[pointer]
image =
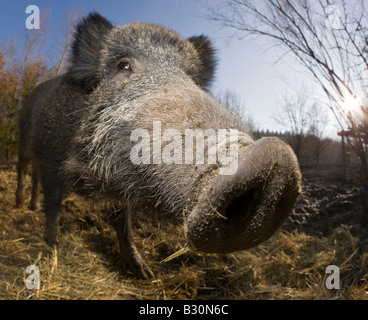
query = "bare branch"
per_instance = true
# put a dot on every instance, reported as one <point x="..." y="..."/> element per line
<point x="329" y="39"/>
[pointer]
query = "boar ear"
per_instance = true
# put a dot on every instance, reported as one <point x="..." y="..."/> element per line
<point x="86" y="47"/>
<point x="206" y="52"/>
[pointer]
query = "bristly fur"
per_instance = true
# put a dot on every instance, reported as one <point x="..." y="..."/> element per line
<point x="104" y="162"/>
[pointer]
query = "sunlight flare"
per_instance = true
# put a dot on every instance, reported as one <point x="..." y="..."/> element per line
<point x="351" y="104"/>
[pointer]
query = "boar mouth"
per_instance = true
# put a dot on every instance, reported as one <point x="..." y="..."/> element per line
<point x="240" y="211"/>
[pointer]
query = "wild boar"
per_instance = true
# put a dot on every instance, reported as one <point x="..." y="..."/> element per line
<point x="79" y="132"/>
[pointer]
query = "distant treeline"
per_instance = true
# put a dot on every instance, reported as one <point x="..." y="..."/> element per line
<point x="311" y="150"/>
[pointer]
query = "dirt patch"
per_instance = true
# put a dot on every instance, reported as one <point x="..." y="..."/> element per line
<point x="323" y="207"/>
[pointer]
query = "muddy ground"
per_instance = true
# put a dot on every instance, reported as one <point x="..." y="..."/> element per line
<point x="327" y="203"/>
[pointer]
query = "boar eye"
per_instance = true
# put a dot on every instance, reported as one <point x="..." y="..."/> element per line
<point x="124" y="66"/>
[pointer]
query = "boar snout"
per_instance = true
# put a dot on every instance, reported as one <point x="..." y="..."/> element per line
<point x="240" y="211"/>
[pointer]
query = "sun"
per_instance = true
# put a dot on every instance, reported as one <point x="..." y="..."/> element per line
<point x="351" y="104"/>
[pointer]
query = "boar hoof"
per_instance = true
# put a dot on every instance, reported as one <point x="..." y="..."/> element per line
<point x="19" y="200"/>
<point x="50" y="240"/>
<point x="34" y="206"/>
<point x="135" y="263"/>
<point x="51" y="235"/>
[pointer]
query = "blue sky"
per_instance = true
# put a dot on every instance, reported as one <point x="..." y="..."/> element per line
<point x="244" y="66"/>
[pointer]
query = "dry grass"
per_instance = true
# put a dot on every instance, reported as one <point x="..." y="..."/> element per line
<point x="84" y="266"/>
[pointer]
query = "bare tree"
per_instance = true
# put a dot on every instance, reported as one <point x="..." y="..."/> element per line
<point x="293" y="116"/>
<point x="235" y="103"/>
<point x="328" y="39"/>
<point x="33" y="40"/>
<point x="317" y="121"/>
<point x="71" y="19"/>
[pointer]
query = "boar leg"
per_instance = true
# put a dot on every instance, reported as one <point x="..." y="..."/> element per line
<point x="22" y="168"/>
<point x="36" y="187"/>
<point x="52" y="187"/>
<point x="129" y="255"/>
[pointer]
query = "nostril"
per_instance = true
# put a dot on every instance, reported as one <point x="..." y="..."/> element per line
<point x="244" y="206"/>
